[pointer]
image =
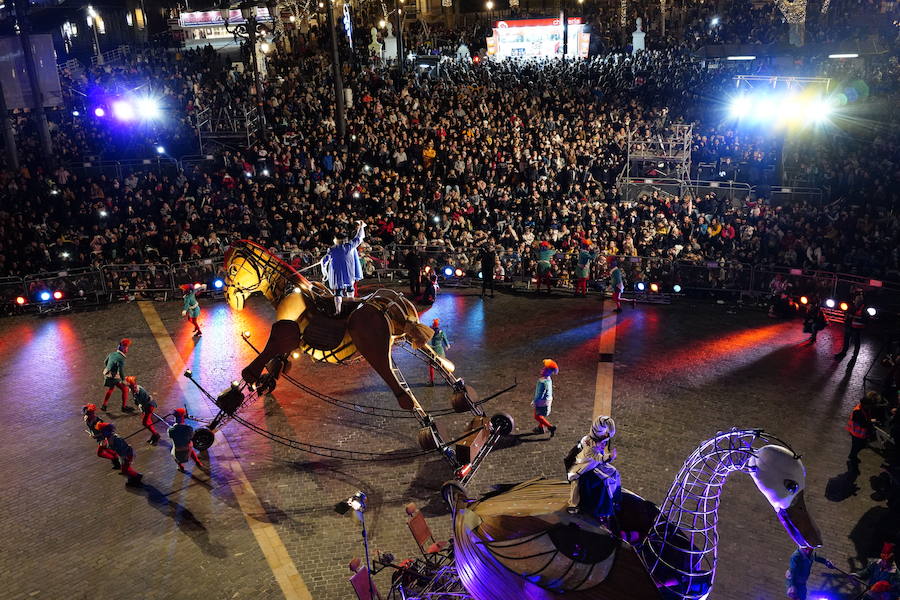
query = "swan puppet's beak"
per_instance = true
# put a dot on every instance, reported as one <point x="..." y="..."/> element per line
<point x="799" y="524"/>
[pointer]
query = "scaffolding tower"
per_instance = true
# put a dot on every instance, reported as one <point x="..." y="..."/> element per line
<point x="664" y="155"/>
<point x="227" y="127"/>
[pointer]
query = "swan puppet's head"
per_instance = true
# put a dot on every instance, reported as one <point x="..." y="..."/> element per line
<point x="780" y="476"/>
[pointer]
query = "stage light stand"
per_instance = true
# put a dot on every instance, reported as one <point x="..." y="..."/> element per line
<point x="358" y="503"/>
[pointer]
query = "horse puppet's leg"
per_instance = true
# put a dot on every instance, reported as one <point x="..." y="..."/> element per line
<point x="371" y="333"/>
<point x="283" y="338"/>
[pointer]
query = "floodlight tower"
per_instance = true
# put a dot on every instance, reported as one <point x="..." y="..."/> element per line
<point x="788" y="85"/>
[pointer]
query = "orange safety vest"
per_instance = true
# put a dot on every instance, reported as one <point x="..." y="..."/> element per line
<point x="856" y="430"/>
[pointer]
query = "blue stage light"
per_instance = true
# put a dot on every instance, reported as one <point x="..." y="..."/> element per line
<point x="45" y="296"/>
<point x="448" y="271"/>
<point x="640" y="286"/>
<point x="160" y="149"/>
<point x="218" y="284"/>
<point x="676" y="288"/>
<point x="100" y="112"/>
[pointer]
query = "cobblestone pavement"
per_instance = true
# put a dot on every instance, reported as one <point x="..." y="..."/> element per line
<point x="682" y="372"/>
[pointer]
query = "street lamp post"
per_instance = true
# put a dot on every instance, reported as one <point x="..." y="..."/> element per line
<point x="249" y="31"/>
<point x="489" y="5"/>
<point x="340" y="122"/>
<point x="400" y="52"/>
<point x="92" y="21"/>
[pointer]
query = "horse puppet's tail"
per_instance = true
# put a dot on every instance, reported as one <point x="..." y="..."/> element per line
<point x="417" y="333"/>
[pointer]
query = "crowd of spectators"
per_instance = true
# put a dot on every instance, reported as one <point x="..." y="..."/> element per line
<point x="513" y="153"/>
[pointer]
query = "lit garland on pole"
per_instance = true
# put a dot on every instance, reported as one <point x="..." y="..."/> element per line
<point x="794" y="12"/>
<point x="623" y="13"/>
<point x="825" y="6"/>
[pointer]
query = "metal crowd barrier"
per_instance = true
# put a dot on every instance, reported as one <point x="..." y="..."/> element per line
<point x="118" y="169"/>
<point x="158" y="281"/>
<point x="205" y="270"/>
<point x="136" y="280"/>
<point x="82" y="283"/>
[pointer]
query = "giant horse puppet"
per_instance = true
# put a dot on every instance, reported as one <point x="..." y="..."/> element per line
<point x="369" y="326"/>
<point x="520" y="542"/>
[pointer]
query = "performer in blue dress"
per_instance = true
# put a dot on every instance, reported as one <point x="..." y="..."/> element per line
<point x="596" y="486"/>
<point x="341" y="265"/>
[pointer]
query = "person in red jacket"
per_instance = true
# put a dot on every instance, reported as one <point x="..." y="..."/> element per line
<point x="859" y="426"/>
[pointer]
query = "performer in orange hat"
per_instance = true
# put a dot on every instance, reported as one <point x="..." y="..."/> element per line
<point x="543" y="397"/>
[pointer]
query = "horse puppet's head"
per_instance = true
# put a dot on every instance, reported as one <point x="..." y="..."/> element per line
<point x="250" y="268"/>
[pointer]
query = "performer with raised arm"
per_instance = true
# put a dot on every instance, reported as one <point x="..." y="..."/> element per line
<point x="341" y="265"/>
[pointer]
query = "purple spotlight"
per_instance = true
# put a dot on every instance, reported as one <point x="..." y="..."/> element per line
<point x="123" y="110"/>
<point x="99" y="112"/>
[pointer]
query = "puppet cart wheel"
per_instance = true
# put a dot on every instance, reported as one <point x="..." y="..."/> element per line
<point x="464" y="399"/>
<point x="203" y="438"/>
<point x="502" y="423"/>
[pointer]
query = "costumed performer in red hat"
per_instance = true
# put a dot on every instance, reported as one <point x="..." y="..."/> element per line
<point x="114" y="374"/>
<point x="583" y="269"/>
<point x="545" y="254"/>
<point x="119" y="452"/>
<point x="191" y="308"/>
<point x="144" y="401"/>
<point x="439" y="343"/>
<point x="181" y="433"/>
